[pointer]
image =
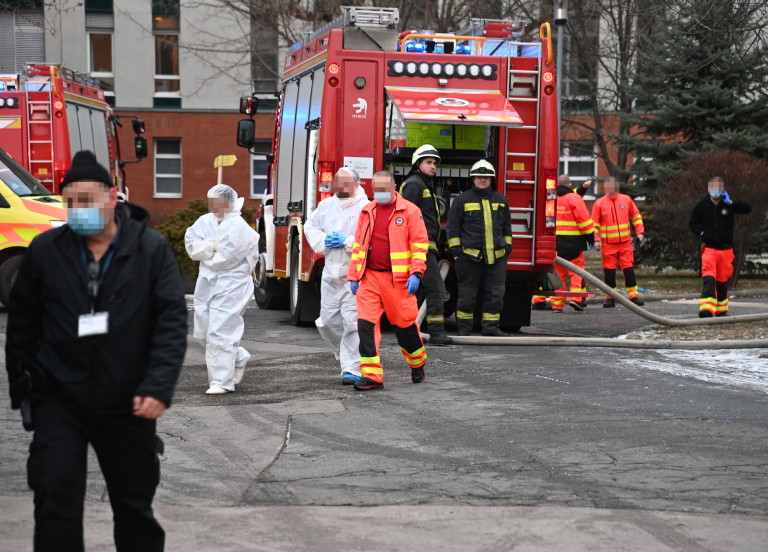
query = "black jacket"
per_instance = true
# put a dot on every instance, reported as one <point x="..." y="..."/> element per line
<point x="479" y="219"/>
<point x="144" y="348"/>
<point x="417" y="189"/>
<point x="714" y="223"/>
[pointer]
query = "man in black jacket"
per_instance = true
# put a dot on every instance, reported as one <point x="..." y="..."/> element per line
<point x="480" y="238"/>
<point x="418" y="189"/>
<point x="97" y="325"/>
<point x="712" y="221"/>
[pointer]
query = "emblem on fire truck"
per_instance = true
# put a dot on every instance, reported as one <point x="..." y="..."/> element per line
<point x="452" y="102"/>
<point x="360" y="107"/>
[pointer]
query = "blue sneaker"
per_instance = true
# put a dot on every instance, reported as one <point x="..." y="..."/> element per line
<point x="348" y="378"/>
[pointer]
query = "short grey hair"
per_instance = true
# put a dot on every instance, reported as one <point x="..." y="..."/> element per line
<point x="350" y="171"/>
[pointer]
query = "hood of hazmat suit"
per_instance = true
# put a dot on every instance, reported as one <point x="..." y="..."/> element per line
<point x="335" y="214"/>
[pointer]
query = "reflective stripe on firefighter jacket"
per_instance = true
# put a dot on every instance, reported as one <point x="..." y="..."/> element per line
<point x="408" y="241"/>
<point x="612" y="218"/>
<point x="574" y="225"/>
<point x="479" y="225"/>
<point x="417" y="189"/>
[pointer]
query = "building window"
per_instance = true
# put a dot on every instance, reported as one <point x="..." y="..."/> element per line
<point x="167" y="167"/>
<point x="100" y="60"/>
<point x="165" y="25"/>
<point x="579" y="161"/>
<point x="580" y="66"/>
<point x="258" y="175"/>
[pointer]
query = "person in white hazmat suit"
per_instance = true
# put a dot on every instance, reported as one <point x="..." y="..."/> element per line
<point x="330" y="230"/>
<point x="227" y="248"/>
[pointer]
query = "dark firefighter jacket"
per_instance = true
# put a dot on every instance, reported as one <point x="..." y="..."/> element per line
<point x="142" y="352"/>
<point x="417" y="189"/>
<point x="716" y="221"/>
<point x="574" y="224"/>
<point x="479" y="226"/>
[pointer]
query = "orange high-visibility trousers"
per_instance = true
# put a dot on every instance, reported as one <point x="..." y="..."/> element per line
<point x="577" y="283"/>
<point x="379" y="294"/>
<point x="716" y="269"/>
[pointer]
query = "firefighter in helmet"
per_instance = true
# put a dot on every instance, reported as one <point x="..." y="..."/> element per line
<point x="480" y="238"/>
<point x="418" y="189"/>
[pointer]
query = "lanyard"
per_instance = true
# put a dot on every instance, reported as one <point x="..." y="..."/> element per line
<point x="95" y="272"/>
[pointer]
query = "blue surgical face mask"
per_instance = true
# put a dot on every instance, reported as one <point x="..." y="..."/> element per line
<point x="86" y="221"/>
<point x="715" y="194"/>
<point x="382" y="197"/>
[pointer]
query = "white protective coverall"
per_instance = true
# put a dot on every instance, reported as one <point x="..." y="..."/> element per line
<point x="227" y="249"/>
<point x="337" y="323"/>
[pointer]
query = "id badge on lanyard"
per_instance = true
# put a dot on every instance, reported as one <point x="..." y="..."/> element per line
<point x="94" y="323"/>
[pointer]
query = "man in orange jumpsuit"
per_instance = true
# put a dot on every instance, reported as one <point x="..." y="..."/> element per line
<point x="574" y="235"/>
<point x="389" y="258"/>
<point x="612" y="215"/>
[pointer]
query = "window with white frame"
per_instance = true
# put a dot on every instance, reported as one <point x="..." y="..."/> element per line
<point x="165" y="26"/>
<point x="99" y="26"/>
<point x="579" y="161"/>
<point x="258" y="175"/>
<point x="168" y="167"/>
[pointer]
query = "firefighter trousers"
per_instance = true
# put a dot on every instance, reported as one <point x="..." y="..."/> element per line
<point x="434" y="295"/>
<point x="378" y="294"/>
<point x="577" y="283"/>
<point x="716" y="269"/>
<point x="470" y="274"/>
<point x="630" y="281"/>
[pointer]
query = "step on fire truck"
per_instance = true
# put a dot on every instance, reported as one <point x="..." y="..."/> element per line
<point x="358" y="93"/>
<point x="47" y="114"/>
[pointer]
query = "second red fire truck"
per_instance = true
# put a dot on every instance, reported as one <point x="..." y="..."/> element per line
<point x="358" y="93"/>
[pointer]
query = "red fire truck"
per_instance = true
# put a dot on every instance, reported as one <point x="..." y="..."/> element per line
<point x="358" y="93"/>
<point x="47" y="114"/>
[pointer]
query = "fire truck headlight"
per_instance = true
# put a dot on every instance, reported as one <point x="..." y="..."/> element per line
<point x="437" y="69"/>
<point x="2" y="102"/>
<point x="411" y="68"/>
<point x="488" y="71"/>
<point x="461" y="70"/>
<point x="449" y="70"/>
<point x="474" y="71"/>
<point x="424" y="68"/>
<point x="398" y="67"/>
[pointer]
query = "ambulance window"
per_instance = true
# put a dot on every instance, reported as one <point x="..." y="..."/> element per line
<point x="19" y="181"/>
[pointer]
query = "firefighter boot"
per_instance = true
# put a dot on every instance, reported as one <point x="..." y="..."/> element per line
<point x="609" y="303"/>
<point x="417" y="374"/>
<point x="437" y="335"/>
<point x="367" y="384"/>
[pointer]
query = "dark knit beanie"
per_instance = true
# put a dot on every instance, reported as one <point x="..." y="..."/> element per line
<point x="86" y="167"/>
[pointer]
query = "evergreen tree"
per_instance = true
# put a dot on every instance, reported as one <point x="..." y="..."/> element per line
<point x="701" y="83"/>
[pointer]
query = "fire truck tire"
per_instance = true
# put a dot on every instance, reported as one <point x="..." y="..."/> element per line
<point x="8" y="272"/>
<point x="304" y="296"/>
<point x="269" y="293"/>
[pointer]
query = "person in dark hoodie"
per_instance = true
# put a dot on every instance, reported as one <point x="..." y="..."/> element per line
<point x="97" y="327"/>
<point x="480" y="238"/>
<point x="712" y="221"/>
<point x="574" y="235"/>
<point x="418" y="189"/>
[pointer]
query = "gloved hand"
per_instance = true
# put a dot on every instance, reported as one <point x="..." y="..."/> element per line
<point x="412" y="284"/>
<point x="334" y="240"/>
<point x="353" y="286"/>
<point x="726" y="198"/>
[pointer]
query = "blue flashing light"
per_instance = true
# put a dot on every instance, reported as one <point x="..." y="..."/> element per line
<point x="2" y="86"/>
<point x="463" y="49"/>
<point x="414" y="47"/>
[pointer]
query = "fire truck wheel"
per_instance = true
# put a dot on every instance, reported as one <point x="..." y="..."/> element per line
<point x="8" y="272"/>
<point x="304" y="296"/>
<point x="268" y="292"/>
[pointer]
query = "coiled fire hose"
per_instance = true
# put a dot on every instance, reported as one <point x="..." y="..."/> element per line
<point x="550" y="341"/>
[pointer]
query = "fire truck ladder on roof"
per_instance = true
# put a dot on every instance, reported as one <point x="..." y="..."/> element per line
<point x="40" y="130"/>
<point x="354" y="16"/>
<point x="522" y="86"/>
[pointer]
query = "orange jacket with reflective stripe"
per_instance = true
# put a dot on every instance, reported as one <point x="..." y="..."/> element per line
<point x="574" y="225"/>
<point x="612" y="218"/>
<point x="408" y="241"/>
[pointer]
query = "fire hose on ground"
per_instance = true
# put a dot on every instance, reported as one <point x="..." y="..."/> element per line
<point x="550" y="341"/>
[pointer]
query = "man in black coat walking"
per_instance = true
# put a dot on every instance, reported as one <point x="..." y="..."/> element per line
<point x="97" y="325"/>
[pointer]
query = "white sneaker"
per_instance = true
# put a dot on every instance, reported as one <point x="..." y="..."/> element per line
<point x="216" y="390"/>
<point x="239" y="372"/>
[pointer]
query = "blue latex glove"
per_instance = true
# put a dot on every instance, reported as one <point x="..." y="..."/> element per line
<point x="412" y="284"/>
<point x="334" y="240"/>
<point x="353" y="286"/>
<point x="726" y="198"/>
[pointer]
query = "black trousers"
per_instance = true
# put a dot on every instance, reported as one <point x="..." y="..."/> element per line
<point x="126" y="448"/>
<point x="470" y="274"/>
<point x="433" y="287"/>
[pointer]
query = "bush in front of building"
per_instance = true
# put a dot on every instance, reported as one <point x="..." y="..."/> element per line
<point x="670" y="241"/>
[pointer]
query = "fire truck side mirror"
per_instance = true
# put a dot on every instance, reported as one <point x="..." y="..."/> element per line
<point x="246" y="129"/>
<point x="248" y="105"/>
<point x="138" y="126"/>
<point x="140" y="145"/>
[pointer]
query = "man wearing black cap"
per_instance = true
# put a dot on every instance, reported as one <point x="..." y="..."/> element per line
<point x="97" y="326"/>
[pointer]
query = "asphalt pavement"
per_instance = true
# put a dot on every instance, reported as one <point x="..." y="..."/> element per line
<point x="501" y="448"/>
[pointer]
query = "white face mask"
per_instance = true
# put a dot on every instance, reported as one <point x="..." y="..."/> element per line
<point x="383" y="197"/>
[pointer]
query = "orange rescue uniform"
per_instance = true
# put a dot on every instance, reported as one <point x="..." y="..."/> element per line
<point x="385" y="291"/>
<point x="574" y="233"/>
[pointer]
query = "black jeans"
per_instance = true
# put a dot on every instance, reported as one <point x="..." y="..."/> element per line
<point x="126" y="448"/>
<point x="434" y="288"/>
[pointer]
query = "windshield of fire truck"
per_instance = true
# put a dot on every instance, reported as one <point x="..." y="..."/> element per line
<point x="19" y="180"/>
